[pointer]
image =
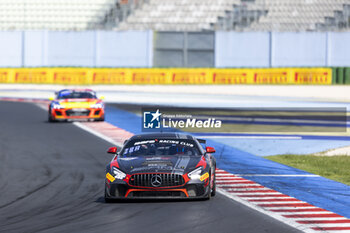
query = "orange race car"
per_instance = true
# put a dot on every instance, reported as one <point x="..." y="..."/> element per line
<point x="75" y="104"/>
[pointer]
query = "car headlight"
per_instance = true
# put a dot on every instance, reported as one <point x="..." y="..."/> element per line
<point x="119" y="175"/>
<point x="57" y="106"/>
<point x="98" y="105"/>
<point x="195" y="174"/>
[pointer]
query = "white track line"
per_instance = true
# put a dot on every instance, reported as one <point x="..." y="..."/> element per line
<point x="290" y="208"/>
<point x="299" y="208"/>
<point x="280" y="175"/>
<point x="258" y="193"/>
<point x="316" y="219"/>
<point x="262" y="198"/>
<point x="334" y="225"/>
<point x="335" y="231"/>
<point x="277" y="120"/>
<point x="245" y="189"/>
<point x="256" y="137"/>
<point x="301" y="213"/>
<point x="279" y="202"/>
<point x="229" y="178"/>
<point x="261" y="195"/>
<point x="237" y="185"/>
<point x="43" y="106"/>
<point x="108" y="139"/>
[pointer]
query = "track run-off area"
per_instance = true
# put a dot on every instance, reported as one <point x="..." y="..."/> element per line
<point x="52" y="175"/>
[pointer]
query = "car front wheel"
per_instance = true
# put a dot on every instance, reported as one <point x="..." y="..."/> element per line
<point x="107" y="199"/>
<point x="213" y="190"/>
<point x="50" y="117"/>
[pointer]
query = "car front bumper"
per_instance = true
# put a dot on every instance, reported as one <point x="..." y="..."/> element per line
<point x="81" y="113"/>
<point x="120" y="190"/>
<point x="191" y="189"/>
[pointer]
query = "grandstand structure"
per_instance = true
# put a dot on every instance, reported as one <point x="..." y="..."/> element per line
<point x="300" y="15"/>
<point x="240" y="15"/>
<point x="54" y="14"/>
<point x="176" y="15"/>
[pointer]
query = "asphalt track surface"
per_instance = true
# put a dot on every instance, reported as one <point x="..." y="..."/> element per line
<point x="52" y="180"/>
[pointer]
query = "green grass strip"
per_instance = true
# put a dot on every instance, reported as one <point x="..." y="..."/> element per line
<point x="333" y="167"/>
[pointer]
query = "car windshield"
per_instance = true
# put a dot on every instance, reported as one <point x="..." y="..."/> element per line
<point x="159" y="147"/>
<point x="76" y="95"/>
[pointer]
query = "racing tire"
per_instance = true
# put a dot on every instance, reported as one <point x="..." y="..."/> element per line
<point x="101" y="119"/>
<point x="50" y="118"/>
<point x="208" y="196"/>
<point x="107" y="199"/>
<point x="213" y="190"/>
<point x="209" y="193"/>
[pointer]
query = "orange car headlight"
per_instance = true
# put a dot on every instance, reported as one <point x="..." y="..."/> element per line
<point x="98" y="105"/>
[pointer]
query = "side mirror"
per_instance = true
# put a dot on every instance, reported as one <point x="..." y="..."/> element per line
<point x="209" y="149"/>
<point x="112" y="150"/>
<point x="51" y="98"/>
<point x="102" y="97"/>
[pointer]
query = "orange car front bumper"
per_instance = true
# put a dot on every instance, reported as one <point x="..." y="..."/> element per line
<point x="81" y="113"/>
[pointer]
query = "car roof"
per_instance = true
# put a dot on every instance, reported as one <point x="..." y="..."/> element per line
<point x="163" y="135"/>
<point x="78" y="90"/>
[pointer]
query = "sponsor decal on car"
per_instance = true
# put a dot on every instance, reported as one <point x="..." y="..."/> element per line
<point x="204" y="176"/>
<point x="110" y="177"/>
<point x="78" y="105"/>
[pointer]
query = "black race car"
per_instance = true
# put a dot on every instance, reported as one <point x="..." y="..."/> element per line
<point x="161" y="165"/>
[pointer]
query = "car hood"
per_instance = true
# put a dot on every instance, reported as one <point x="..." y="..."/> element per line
<point x="78" y="103"/>
<point x="145" y="164"/>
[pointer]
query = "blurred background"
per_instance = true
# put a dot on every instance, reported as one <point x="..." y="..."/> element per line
<point x="286" y="63"/>
<point x="176" y="33"/>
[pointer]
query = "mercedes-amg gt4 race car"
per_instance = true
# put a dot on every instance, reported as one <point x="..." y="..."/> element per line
<point x="161" y="165"/>
<point x="75" y="104"/>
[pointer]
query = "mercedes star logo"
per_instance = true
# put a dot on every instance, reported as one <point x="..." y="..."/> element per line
<point x="156" y="180"/>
